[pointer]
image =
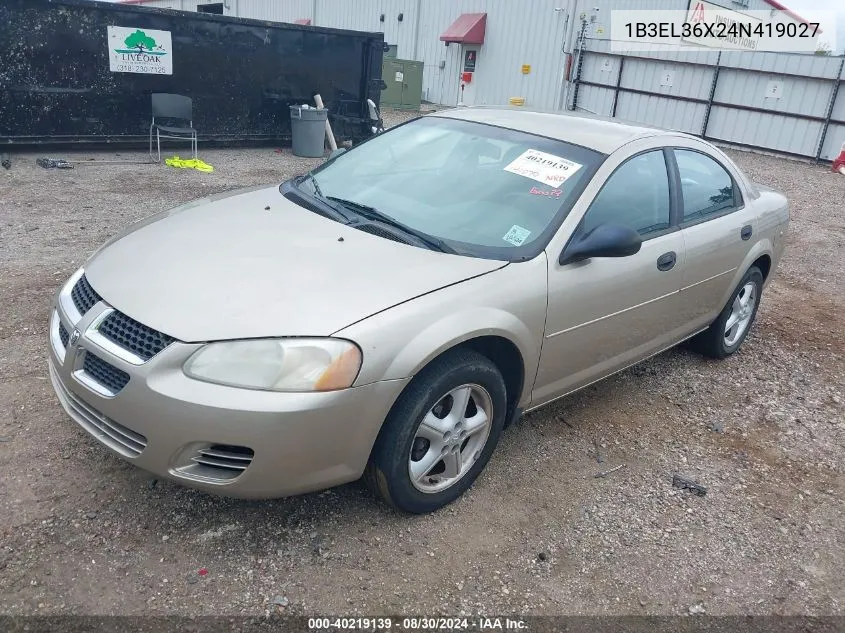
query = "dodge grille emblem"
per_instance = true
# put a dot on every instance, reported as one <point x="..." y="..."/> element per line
<point x="74" y="337"/>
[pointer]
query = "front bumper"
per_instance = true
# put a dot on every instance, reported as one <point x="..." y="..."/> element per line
<point x="225" y="440"/>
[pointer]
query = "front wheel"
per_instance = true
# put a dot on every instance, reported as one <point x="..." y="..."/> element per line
<point x="726" y="334"/>
<point x="440" y="433"/>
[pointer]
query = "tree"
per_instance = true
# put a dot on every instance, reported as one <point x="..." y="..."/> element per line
<point x="140" y="40"/>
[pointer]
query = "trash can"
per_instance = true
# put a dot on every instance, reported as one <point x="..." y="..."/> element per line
<point x="308" y="129"/>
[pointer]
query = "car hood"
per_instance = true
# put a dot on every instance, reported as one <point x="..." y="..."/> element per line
<point x="254" y="264"/>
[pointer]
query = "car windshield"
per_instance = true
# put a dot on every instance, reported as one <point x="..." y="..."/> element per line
<point x="483" y="190"/>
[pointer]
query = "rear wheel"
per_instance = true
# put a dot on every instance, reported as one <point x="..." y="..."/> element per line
<point x="440" y="433"/>
<point x="727" y="333"/>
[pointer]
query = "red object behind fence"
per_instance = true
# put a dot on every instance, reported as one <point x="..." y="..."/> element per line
<point x="840" y="160"/>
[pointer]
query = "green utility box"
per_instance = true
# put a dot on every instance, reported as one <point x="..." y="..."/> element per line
<point x="404" y="83"/>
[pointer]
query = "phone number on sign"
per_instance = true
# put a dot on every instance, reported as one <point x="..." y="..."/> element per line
<point x="386" y="624"/>
<point x="140" y="68"/>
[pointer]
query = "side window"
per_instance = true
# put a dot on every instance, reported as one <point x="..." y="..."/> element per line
<point x="707" y="188"/>
<point x="635" y="195"/>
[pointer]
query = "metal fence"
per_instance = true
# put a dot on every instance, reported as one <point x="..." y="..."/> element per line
<point x="786" y="103"/>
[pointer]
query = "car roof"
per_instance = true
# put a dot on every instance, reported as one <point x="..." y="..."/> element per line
<point x="602" y="134"/>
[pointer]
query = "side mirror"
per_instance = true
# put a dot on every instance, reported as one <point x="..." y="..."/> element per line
<point x="606" y="240"/>
<point x="336" y="152"/>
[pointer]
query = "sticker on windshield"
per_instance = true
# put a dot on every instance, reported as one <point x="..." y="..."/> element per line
<point x="549" y="193"/>
<point x="542" y="167"/>
<point x="517" y="235"/>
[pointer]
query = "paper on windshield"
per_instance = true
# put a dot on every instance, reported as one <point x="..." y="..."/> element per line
<point x="546" y="168"/>
<point x="517" y="235"/>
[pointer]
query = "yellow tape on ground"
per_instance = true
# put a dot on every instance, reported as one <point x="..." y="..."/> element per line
<point x="188" y="163"/>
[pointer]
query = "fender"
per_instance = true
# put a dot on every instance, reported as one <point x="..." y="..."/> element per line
<point x="452" y="331"/>
<point x="774" y="223"/>
<point x="762" y="247"/>
<point x="509" y="303"/>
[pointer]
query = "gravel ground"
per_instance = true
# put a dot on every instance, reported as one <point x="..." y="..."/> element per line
<point x="764" y="431"/>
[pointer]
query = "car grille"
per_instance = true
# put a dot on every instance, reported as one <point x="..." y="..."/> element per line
<point x="83" y="295"/>
<point x="108" y="375"/>
<point x="116" y="436"/>
<point x="63" y="334"/>
<point x="135" y="337"/>
<point x="221" y="461"/>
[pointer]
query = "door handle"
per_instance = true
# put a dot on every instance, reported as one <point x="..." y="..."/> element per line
<point x="746" y="232"/>
<point x="667" y="261"/>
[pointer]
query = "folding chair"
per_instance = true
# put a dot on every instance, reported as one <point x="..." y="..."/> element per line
<point x="172" y="108"/>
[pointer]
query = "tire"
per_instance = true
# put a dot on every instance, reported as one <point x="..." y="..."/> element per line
<point x="405" y="443"/>
<point x="715" y="341"/>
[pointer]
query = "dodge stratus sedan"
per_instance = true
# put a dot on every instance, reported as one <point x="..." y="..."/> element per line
<point x="389" y="313"/>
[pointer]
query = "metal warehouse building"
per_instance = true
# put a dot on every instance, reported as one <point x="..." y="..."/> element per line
<point x="556" y="54"/>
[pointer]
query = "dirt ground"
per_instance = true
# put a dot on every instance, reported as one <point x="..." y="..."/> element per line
<point x="83" y="532"/>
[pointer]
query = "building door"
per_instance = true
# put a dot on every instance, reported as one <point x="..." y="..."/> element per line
<point x="467" y="78"/>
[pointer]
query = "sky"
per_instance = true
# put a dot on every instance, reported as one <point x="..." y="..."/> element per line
<point x="829" y="13"/>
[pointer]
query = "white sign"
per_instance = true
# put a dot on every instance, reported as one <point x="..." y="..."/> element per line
<point x="725" y="31"/>
<point x="542" y="167"/>
<point x="136" y="50"/>
<point x="606" y="66"/>
<point x="774" y="89"/>
<point x="667" y="78"/>
<point x="710" y="26"/>
<point x="399" y="77"/>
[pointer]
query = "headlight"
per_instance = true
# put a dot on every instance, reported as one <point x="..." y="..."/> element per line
<point x="293" y="364"/>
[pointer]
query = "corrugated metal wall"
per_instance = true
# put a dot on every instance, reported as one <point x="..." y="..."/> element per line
<point x="276" y="11"/>
<point x="774" y="101"/>
<point x="179" y="5"/>
<point x="518" y="33"/>
<point x="286" y="11"/>
<point x="164" y="4"/>
<point x="673" y="89"/>
<point x="835" y="139"/>
<point x="668" y="89"/>
<point x="665" y="89"/>
<point x="366" y="16"/>
<point x="807" y="83"/>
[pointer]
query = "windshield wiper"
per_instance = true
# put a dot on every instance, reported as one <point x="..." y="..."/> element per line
<point x="339" y="214"/>
<point x="314" y="184"/>
<point x="371" y="213"/>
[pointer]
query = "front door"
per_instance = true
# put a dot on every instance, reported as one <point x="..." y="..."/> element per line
<point x="606" y="313"/>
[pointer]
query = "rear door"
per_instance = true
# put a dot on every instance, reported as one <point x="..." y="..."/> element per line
<point x="606" y="313"/>
<point x="718" y="229"/>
